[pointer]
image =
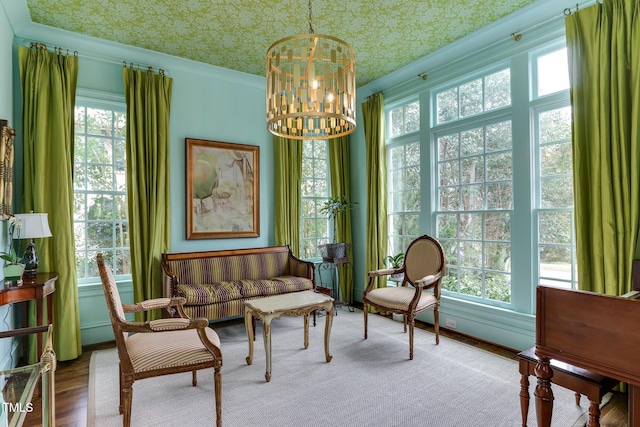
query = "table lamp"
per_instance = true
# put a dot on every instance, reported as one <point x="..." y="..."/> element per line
<point x="34" y="226"/>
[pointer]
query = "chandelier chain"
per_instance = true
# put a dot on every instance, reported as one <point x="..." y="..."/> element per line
<point x="310" y="25"/>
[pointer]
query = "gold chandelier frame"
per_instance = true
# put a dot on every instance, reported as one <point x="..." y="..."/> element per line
<point x="310" y="87"/>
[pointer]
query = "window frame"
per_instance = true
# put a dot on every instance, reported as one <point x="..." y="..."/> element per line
<point x="113" y="103"/>
<point x="317" y="200"/>
<point x="392" y="143"/>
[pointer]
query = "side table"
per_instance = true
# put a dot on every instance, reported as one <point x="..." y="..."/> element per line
<point x="41" y="287"/>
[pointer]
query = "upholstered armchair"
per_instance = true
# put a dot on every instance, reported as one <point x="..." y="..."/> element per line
<point x="159" y="347"/>
<point x="423" y="268"/>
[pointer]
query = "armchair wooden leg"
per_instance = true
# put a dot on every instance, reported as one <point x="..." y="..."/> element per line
<point x="217" y="378"/>
<point x="126" y="414"/>
<point x="194" y="378"/>
<point x="436" y="325"/>
<point x="411" y="325"/>
<point x="365" y="310"/>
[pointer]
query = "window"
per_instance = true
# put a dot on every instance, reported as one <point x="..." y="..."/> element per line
<point x="100" y="193"/>
<point x="554" y="180"/>
<point x="499" y="177"/>
<point x="403" y="164"/>
<point x="314" y="226"/>
<point x="473" y="211"/>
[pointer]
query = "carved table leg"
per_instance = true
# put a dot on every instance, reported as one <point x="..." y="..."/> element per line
<point x="248" y="323"/>
<point x="544" y="394"/>
<point x="306" y="331"/>
<point x="266" y="325"/>
<point x="327" y="331"/>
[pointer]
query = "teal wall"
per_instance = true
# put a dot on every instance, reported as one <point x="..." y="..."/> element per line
<point x="6" y="112"/>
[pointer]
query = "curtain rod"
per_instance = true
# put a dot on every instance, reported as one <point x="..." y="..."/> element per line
<point x="40" y="45"/>
<point x="56" y="49"/>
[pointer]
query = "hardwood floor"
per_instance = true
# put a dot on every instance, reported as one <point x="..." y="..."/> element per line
<point x="72" y="379"/>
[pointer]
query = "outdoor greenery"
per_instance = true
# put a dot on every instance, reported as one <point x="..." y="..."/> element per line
<point x="314" y="226"/>
<point x="100" y="202"/>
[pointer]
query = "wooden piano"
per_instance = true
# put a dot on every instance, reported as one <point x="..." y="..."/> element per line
<point x="592" y="331"/>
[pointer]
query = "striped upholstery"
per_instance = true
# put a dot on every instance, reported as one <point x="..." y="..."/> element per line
<point x="150" y="352"/>
<point x="229" y="268"/>
<point x="215" y="286"/>
<point x="398" y="298"/>
<point x="219" y="310"/>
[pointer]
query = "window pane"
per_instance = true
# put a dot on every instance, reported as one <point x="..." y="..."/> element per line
<point x="556" y="192"/>
<point x="556" y="159"/>
<point x="447" y="103"/>
<point x="498" y="287"/>
<point x="447" y="226"/>
<point x="471" y="226"/>
<point x="497" y="90"/>
<point x="412" y="117"/>
<point x="553" y="72"/>
<point x="449" y="146"/>
<point x="499" y="166"/>
<point x="499" y="136"/>
<point x="471" y="98"/>
<point x="497" y="226"/>
<point x="448" y="173"/>
<point x="555" y="125"/>
<point x="555" y="227"/>
<point x="397" y="121"/>
<point x="472" y="142"/>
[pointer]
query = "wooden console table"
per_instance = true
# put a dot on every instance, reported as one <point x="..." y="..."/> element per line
<point x="41" y="287"/>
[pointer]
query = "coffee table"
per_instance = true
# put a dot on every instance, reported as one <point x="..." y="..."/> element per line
<point x="290" y="304"/>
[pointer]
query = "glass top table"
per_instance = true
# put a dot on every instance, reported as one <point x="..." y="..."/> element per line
<point x="18" y="385"/>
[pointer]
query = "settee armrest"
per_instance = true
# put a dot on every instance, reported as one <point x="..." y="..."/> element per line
<point x="301" y="268"/>
<point x="169" y="280"/>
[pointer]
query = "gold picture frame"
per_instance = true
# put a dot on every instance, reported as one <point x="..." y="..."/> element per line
<point x="7" y="138"/>
<point x="223" y="189"/>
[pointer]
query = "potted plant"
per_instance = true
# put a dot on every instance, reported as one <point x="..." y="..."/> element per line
<point x="395" y="262"/>
<point x="13" y="267"/>
<point x="333" y="207"/>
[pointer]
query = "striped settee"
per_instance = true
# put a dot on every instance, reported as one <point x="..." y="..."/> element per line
<point x="215" y="284"/>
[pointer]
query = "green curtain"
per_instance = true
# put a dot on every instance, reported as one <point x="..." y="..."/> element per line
<point x="287" y="183"/>
<point x="48" y="83"/>
<point x="603" y="53"/>
<point x="376" y="232"/>
<point x="340" y="172"/>
<point x="148" y="98"/>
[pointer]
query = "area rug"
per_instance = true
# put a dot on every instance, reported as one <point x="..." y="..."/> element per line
<point x="368" y="382"/>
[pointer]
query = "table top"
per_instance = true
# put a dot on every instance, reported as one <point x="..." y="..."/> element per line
<point x="288" y="301"/>
<point x="41" y="286"/>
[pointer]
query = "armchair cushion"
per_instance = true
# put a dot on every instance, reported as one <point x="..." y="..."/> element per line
<point x="153" y="351"/>
<point x="398" y="298"/>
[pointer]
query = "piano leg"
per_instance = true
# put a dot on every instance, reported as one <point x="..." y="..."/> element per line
<point x="543" y="393"/>
<point x="594" y="414"/>
<point x="634" y="405"/>
<point x="524" y="398"/>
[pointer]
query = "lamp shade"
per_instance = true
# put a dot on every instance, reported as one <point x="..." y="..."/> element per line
<point x="32" y="226"/>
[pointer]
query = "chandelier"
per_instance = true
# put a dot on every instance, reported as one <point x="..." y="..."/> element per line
<point x="311" y="87"/>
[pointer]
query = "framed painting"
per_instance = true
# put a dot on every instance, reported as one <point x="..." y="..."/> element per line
<point x="223" y="189"/>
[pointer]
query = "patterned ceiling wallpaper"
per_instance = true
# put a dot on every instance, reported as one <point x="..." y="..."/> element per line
<point x="235" y="34"/>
